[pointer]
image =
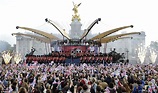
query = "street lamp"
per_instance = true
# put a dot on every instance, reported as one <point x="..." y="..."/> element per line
<point x="127" y="56"/>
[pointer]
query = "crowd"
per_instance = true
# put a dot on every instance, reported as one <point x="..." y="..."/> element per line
<point x="83" y="78"/>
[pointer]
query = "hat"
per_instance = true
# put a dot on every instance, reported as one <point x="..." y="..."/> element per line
<point x="103" y="85"/>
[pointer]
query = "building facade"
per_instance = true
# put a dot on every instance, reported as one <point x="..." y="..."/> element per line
<point x="24" y="45"/>
<point x="129" y="46"/>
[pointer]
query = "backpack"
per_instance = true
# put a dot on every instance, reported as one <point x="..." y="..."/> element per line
<point x="140" y="88"/>
<point x="92" y="89"/>
<point x="135" y="90"/>
<point x="151" y="89"/>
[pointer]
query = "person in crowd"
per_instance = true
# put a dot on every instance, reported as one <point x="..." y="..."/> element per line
<point x="86" y="78"/>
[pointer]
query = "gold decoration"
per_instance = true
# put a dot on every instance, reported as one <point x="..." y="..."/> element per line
<point x="75" y="9"/>
<point x="17" y="58"/>
<point x="6" y="56"/>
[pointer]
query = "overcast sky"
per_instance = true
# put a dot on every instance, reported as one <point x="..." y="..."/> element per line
<point x="113" y="13"/>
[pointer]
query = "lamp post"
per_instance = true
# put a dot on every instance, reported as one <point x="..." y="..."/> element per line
<point x="127" y="56"/>
<point x="136" y="55"/>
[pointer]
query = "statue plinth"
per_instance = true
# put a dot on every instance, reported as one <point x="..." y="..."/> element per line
<point x="75" y="31"/>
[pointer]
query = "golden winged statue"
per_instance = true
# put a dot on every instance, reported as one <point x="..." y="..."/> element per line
<point x="75" y="9"/>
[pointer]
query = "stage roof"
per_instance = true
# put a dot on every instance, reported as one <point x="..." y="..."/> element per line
<point x="43" y="39"/>
<point x="45" y="34"/>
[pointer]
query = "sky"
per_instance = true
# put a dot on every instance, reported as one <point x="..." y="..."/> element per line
<point x="142" y="14"/>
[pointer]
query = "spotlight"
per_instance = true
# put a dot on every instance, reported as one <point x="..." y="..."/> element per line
<point x="132" y="26"/>
<point x="46" y="19"/>
<point x="17" y="27"/>
<point x="99" y="19"/>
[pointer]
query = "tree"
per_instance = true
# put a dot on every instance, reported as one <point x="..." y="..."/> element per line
<point x="154" y="45"/>
<point x="4" y="46"/>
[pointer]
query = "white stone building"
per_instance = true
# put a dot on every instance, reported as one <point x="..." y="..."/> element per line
<point x="24" y="45"/>
<point x="129" y="46"/>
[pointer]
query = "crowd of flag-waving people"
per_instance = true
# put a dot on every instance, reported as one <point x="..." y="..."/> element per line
<point x="81" y="78"/>
<point x="85" y="57"/>
<point x="46" y="74"/>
